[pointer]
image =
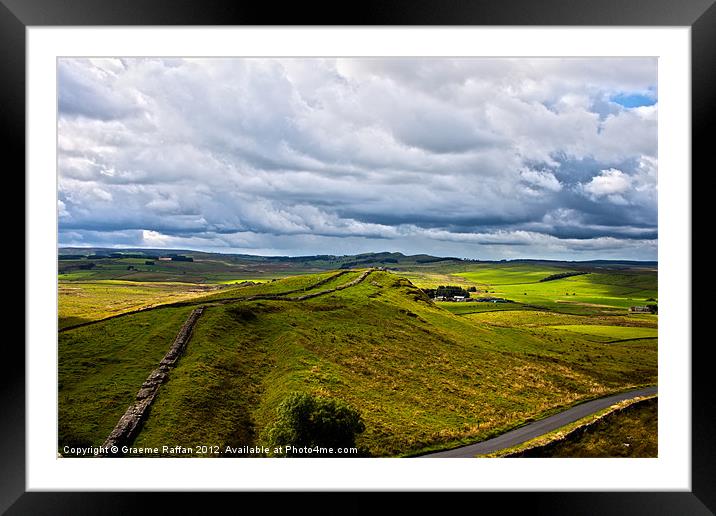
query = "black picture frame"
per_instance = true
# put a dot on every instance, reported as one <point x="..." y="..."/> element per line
<point x="699" y="15"/>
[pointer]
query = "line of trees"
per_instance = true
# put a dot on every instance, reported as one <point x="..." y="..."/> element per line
<point x="180" y="258"/>
<point x="561" y="275"/>
<point x="446" y="291"/>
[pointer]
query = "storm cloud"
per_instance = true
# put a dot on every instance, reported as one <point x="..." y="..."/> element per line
<point x="479" y="158"/>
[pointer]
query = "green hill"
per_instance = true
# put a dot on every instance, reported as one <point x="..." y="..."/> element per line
<point x="422" y="377"/>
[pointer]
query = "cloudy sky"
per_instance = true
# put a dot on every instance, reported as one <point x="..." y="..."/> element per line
<point x="476" y="158"/>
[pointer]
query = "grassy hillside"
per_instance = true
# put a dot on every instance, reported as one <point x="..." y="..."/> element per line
<point x="611" y="333"/>
<point x="422" y="377"/>
<point x="205" y="268"/>
<point x="143" y="265"/>
<point x="101" y="366"/>
<point x="82" y="301"/>
<point x="296" y="285"/>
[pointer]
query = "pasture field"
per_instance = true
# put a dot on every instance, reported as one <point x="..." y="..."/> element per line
<point x="536" y="318"/>
<point x="296" y="285"/>
<point x="242" y="280"/>
<point x="589" y="293"/>
<point x="423" y="377"/>
<point x="429" y="278"/>
<point x="87" y="295"/>
<point x="481" y="308"/>
<point x="610" y="332"/>
<point x="201" y="270"/>
<point x="83" y="301"/>
<point x="514" y="274"/>
<point x="597" y="292"/>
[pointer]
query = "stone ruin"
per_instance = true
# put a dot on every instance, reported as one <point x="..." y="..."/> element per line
<point x="130" y="423"/>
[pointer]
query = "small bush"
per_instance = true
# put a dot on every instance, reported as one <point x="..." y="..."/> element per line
<point x="305" y="420"/>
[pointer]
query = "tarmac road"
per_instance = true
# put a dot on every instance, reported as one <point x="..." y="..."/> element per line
<point x="541" y="427"/>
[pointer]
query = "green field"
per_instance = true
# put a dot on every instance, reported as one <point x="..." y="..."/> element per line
<point x="423" y="375"/>
<point x="206" y="268"/>
<point x="480" y="308"/>
<point x="493" y="275"/>
<point x="597" y="292"/>
<point x="611" y="332"/>
<point x="241" y="280"/>
<point x="296" y="285"/>
<point x="537" y="318"/>
<point x="83" y="301"/>
<point x="591" y="293"/>
<point x="101" y="367"/>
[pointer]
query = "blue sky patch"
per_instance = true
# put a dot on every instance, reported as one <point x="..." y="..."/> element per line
<point x="632" y="100"/>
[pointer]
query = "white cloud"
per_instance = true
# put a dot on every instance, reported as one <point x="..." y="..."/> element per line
<point x="541" y="178"/>
<point x="61" y="209"/>
<point x="611" y="184"/>
<point x="198" y="149"/>
<point x="154" y="238"/>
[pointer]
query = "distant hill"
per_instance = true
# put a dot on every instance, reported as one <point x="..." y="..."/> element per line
<point x="390" y="260"/>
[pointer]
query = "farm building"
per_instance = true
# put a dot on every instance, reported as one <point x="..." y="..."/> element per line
<point x="453" y="299"/>
<point x="493" y="300"/>
<point x="641" y="309"/>
<point x="165" y="259"/>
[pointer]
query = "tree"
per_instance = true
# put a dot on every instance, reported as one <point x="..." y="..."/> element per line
<point x="306" y="420"/>
<point x="451" y="291"/>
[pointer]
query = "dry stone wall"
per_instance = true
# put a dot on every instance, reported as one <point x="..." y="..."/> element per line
<point x="130" y="423"/>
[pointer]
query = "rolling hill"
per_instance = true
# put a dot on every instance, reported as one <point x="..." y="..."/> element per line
<point x="422" y="377"/>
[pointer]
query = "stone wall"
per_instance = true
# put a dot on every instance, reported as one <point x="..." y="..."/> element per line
<point x="130" y="423"/>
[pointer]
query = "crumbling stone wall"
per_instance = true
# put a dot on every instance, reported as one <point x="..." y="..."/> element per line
<point x="130" y="423"/>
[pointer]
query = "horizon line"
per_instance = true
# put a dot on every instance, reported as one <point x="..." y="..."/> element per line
<point x="117" y="249"/>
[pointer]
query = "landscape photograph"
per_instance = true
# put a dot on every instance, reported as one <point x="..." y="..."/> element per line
<point x="357" y="257"/>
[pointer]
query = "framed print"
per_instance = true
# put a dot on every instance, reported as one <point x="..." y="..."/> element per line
<point x="422" y="252"/>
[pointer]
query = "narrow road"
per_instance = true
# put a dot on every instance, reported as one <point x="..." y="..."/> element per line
<point x="541" y="427"/>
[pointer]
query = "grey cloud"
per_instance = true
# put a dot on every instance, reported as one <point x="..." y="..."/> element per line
<point x="91" y="91"/>
<point x="359" y="154"/>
